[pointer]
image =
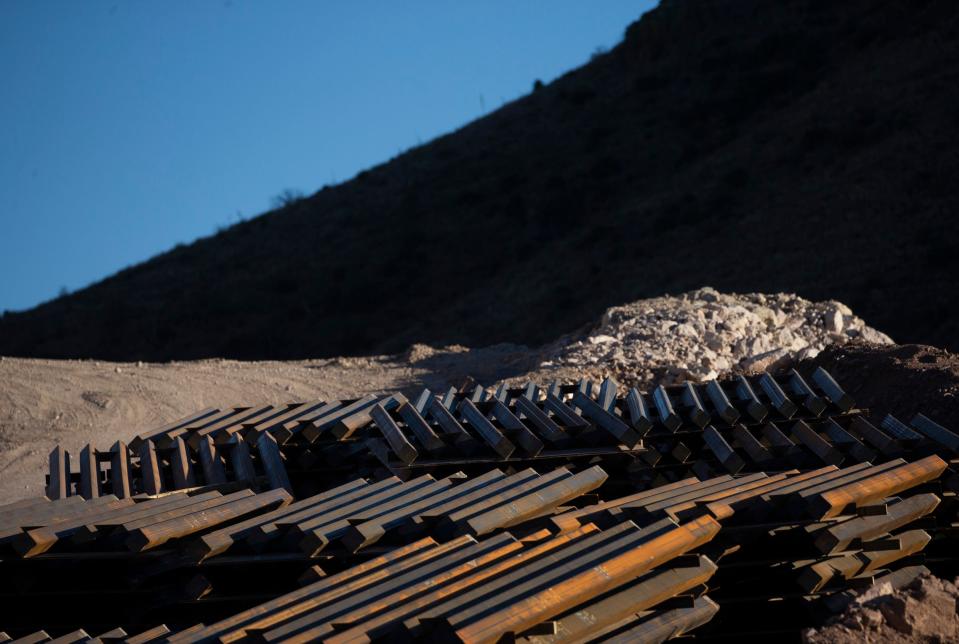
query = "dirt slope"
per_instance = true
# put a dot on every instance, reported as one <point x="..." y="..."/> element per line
<point x="802" y="145"/>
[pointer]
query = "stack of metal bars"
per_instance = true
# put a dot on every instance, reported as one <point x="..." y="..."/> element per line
<point x="808" y="490"/>
<point x="79" y="636"/>
<point x="483" y="590"/>
<point x="257" y="444"/>
<point x="360" y="513"/>
<point x="35" y="528"/>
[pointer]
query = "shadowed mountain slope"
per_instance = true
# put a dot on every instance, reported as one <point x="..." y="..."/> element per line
<point x="802" y="145"/>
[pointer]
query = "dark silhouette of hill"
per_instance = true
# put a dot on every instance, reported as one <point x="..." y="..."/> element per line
<point x="798" y="145"/>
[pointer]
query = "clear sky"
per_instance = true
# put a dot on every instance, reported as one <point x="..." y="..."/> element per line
<point x="127" y="127"/>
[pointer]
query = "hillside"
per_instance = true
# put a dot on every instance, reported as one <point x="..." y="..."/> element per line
<point x="802" y="145"/>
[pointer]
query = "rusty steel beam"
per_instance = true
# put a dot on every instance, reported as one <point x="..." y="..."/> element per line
<point x="726" y="497"/>
<point x="564" y="413"/>
<point x="833" y="502"/>
<point x="319" y="622"/>
<point x="608" y="421"/>
<point x="781" y="443"/>
<point x="638" y="412"/>
<point x="233" y="507"/>
<point x="589" y="548"/>
<point x="32" y="542"/>
<point x="176" y="424"/>
<point x="515" y="429"/>
<point x="537" y="502"/>
<point x="211" y="464"/>
<point x="59" y="486"/>
<point x="387" y="622"/>
<point x="547" y="428"/>
<point x="151" y="635"/>
<point x="831" y="388"/>
<point x="421" y="429"/>
<point x="120" y="471"/>
<point x="813" y="578"/>
<point x="722" y="450"/>
<point x="314" y="510"/>
<point x="320" y="532"/>
<point x="760" y="496"/>
<point x="341" y="422"/>
<point x="362" y="534"/>
<point x="24" y="504"/>
<point x="721" y="403"/>
<point x="458" y="520"/>
<point x="272" y="424"/>
<point x="73" y="637"/>
<point x="575" y="518"/>
<point x="32" y="638"/>
<point x="667" y="624"/>
<point x="900" y="430"/>
<point x="887" y="445"/>
<point x="812" y="402"/>
<point x="591" y="620"/>
<point x="654" y="506"/>
<point x="492" y="436"/>
<point x="936" y="432"/>
<point x="292" y="427"/>
<point x="450" y="426"/>
<point x="824" y="451"/>
<point x="422" y="401"/>
<point x="521" y="615"/>
<point x="401" y="447"/>
<point x="181" y="464"/>
<point x="607" y="394"/>
<point x="140" y="514"/>
<point x="782" y="404"/>
<point x="253" y="413"/>
<point x="89" y="473"/>
<point x="697" y="412"/>
<point x="219" y="541"/>
<point x="305" y="599"/>
<point x="756" y="451"/>
<point x="847" y="441"/>
<point x="493" y="482"/>
<point x="664" y="408"/>
<point x="43" y="514"/>
<point x="745" y="393"/>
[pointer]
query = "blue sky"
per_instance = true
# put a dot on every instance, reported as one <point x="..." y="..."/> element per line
<point x="128" y="127"/>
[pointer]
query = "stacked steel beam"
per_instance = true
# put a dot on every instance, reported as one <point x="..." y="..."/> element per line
<point x="564" y="513"/>
<point x="480" y="591"/>
<point x="558" y="424"/>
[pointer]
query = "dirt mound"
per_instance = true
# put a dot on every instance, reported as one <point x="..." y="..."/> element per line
<point x="702" y="334"/>
<point x="926" y="610"/>
<point x="901" y="380"/>
<point x="800" y="145"/>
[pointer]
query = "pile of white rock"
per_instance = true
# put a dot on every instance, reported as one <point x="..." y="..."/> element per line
<point x="703" y="334"/>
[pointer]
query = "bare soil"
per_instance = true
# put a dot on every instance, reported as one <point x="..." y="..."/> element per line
<point x="924" y="611"/>
<point x="898" y="379"/>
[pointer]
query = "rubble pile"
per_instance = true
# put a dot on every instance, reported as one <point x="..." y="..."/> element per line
<point x="923" y="611"/>
<point x="702" y="334"/>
